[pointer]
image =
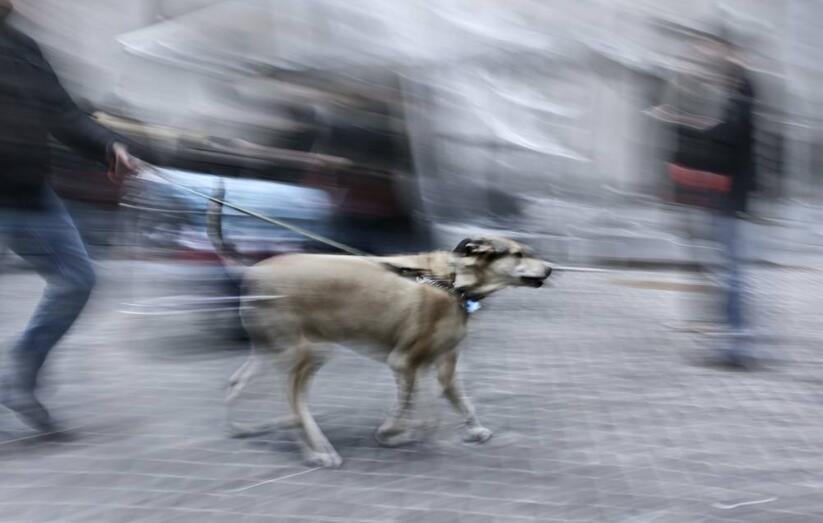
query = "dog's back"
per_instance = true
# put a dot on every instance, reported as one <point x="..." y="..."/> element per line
<point x="325" y="298"/>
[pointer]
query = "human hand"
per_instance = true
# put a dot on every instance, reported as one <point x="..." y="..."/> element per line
<point x="122" y="163"/>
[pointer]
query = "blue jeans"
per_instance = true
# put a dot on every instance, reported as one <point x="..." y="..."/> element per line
<point x="729" y="231"/>
<point x="725" y="233"/>
<point x="48" y="240"/>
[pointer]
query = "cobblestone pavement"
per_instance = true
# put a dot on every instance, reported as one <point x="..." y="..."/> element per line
<point x="599" y="411"/>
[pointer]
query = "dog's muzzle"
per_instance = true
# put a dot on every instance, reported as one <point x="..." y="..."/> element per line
<point x="532" y="281"/>
<point x="535" y="281"/>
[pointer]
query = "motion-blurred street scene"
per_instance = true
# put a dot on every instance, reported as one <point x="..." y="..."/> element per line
<point x="663" y="156"/>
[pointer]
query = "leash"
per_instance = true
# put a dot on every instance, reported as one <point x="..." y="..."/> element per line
<point x="299" y="230"/>
<point x="279" y="223"/>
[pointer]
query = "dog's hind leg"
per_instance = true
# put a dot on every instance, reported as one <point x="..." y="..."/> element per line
<point x="266" y="349"/>
<point x="242" y="377"/>
<point x="251" y="369"/>
<point x="447" y="377"/>
<point x="317" y="451"/>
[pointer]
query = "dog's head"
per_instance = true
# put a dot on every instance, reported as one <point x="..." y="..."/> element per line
<point x="486" y="265"/>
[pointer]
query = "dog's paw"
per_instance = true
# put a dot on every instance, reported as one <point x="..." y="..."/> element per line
<point x="394" y="437"/>
<point x="241" y="430"/>
<point x="478" y="435"/>
<point x="330" y="460"/>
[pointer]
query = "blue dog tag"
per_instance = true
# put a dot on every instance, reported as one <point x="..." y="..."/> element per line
<point x="471" y="306"/>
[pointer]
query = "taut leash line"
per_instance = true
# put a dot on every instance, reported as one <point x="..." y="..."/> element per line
<point x="294" y="228"/>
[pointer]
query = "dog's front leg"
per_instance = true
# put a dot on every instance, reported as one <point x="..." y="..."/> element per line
<point x="447" y="376"/>
<point x="397" y="430"/>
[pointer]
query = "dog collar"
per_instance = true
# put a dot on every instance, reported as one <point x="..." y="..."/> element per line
<point x="467" y="304"/>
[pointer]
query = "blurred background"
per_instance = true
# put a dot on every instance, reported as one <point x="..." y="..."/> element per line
<point x="524" y="116"/>
<point x="520" y="118"/>
<point x="402" y="126"/>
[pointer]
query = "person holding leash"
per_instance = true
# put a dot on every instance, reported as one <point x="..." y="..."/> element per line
<point x="33" y="221"/>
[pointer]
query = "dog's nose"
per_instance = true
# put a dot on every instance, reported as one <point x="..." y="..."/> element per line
<point x="548" y="272"/>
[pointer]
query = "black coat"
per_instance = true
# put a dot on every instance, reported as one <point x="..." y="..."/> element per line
<point x="727" y="148"/>
<point x="33" y="105"/>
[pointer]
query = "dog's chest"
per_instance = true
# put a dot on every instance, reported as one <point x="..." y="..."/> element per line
<point x="447" y="338"/>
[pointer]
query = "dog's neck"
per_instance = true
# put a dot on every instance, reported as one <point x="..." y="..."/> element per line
<point x="439" y="266"/>
<point x="437" y="269"/>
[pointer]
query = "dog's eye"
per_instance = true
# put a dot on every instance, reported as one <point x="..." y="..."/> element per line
<point x="518" y="254"/>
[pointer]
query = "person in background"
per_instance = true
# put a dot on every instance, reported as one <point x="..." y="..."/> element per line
<point x="710" y="109"/>
<point x="33" y="221"/>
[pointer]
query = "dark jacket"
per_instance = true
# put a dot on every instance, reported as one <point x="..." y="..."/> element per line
<point x="33" y="105"/>
<point x="727" y="148"/>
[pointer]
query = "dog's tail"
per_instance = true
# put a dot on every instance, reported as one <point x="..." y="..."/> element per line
<point x="214" y="225"/>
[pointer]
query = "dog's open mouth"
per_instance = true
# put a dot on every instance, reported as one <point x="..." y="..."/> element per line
<point x="532" y="281"/>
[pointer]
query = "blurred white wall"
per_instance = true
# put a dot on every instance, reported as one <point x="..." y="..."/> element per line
<point x="539" y="96"/>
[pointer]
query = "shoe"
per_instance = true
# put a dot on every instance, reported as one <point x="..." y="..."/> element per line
<point x="697" y="327"/>
<point x="25" y="406"/>
<point x="733" y="361"/>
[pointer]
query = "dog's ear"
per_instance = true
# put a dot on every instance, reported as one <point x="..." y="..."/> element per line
<point x="474" y="247"/>
<point x="463" y="247"/>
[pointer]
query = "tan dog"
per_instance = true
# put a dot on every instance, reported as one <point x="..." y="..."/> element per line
<point x="407" y="311"/>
